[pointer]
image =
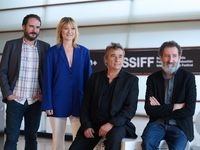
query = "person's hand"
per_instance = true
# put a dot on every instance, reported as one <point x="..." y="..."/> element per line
<point x="153" y="101"/>
<point x="49" y="112"/>
<point x="39" y="97"/>
<point x="105" y="129"/>
<point x="89" y="133"/>
<point x="178" y="106"/>
<point x="12" y="97"/>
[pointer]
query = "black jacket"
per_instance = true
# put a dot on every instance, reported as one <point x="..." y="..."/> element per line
<point x="123" y="103"/>
<point x="184" y="91"/>
<point x="10" y="64"/>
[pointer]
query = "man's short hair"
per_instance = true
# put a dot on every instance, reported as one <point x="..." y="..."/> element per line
<point x="169" y="44"/>
<point x="25" y="20"/>
<point x="113" y="46"/>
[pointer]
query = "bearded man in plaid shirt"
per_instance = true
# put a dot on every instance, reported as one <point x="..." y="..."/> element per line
<point x="21" y="71"/>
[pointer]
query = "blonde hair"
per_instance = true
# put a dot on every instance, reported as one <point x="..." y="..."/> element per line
<point x="64" y="21"/>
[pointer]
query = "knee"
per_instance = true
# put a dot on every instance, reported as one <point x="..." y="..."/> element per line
<point x="145" y="144"/>
<point x="113" y="139"/>
<point x="113" y="143"/>
<point x="149" y="143"/>
<point x="12" y="138"/>
<point x="31" y="137"/>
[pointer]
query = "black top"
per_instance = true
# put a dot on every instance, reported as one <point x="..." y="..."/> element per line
<point x="103" y="115"/>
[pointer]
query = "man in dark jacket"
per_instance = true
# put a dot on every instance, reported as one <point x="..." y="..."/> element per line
<point x="170" y="102"/>
<point x="109" y="103"/>
<point x="21" y="73"/>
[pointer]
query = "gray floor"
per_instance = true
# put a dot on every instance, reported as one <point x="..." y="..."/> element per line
<point x="43" y="144"/>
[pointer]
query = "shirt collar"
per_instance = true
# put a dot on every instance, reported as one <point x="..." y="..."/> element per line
<point x="165" y="76"/>
<point x="119" y="76"/>
<point x="24" y="42"/>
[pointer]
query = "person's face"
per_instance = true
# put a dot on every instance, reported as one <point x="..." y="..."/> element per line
<point x="115" y="59"/>
<point x="68" y="32"/>
<point x="170" y="59"/>
<point x="32" y="29"/>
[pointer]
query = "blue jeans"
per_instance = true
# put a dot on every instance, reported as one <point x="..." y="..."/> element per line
<point x="14" y="115"/>
<point x="155" y="132"/>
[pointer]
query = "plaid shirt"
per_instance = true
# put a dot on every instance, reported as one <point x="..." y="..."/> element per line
<point x="27" y="85"/>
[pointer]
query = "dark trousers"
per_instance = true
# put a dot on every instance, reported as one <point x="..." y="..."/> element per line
<point x="112" y="142"/>
<point x="14" y="115"/>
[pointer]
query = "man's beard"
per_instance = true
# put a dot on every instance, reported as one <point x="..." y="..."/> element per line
<point x="171" y="70"/>
<point x="26" y="35"/>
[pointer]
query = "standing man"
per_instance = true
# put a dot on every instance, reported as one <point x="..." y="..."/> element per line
<point x="109" y="104"/>
<point x="21" y="72"/>
<point x="170" y="102"/>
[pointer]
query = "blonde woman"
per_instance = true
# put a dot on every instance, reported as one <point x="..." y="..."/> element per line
<point x="67" y="70"/>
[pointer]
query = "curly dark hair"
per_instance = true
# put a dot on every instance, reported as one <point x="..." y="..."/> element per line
<point x="170" y="44"/>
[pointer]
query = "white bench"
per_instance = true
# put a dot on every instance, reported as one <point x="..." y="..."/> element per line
<point x="134" y="144"/>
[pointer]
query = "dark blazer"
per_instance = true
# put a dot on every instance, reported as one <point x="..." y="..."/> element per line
<point x="184" y="91"/>
<point x="10" y="64"/>
<point x="123" y="103"/>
